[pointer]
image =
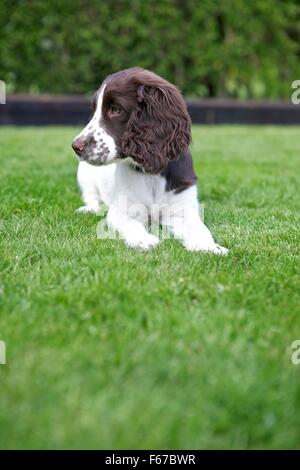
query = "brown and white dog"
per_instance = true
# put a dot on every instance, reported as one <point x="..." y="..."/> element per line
<point x="134" y="158"/>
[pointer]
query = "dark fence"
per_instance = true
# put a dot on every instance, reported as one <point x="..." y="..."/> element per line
<point x="75" y="110"/>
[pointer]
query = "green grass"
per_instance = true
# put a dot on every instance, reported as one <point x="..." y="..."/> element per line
<point x="113" y="348"/>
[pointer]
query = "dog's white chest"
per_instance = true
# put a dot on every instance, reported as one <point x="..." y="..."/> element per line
<point x="154" y="189"/>
<point x="140" y="187"/>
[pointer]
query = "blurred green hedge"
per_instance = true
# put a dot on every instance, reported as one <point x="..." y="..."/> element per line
<point x="238" y="48"/>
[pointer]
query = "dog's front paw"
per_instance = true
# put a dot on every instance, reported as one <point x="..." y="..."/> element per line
<point x="89" y="209"/>
<point x="220" y="250"/>
<point x="206" y="247"/>
<point x="146" y="242"/>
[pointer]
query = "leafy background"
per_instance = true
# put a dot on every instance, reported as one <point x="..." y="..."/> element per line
<point x="238" y="48"/>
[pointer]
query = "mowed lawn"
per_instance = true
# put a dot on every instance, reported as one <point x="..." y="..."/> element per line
<point x="113" y="348"/>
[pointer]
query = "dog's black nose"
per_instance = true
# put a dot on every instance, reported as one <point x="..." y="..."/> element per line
<point x="78" y="145"/>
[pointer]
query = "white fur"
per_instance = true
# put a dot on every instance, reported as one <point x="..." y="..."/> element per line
<point x="100" y="135"/>
<point x="132" y="196"/>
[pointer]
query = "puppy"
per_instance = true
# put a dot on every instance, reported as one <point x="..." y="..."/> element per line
<point x="134" y="158"/>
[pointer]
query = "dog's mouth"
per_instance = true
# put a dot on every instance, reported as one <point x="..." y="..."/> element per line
<point x="97" y="159"/>
<point x="88" y="149"/>
<point x="93" y="159"/>
<point x="92" y="155"/>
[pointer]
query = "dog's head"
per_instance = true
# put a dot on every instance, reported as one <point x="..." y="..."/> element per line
<point x="136" y="114"/>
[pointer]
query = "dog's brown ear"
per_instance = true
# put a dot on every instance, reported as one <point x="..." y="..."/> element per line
<point x="159" y="129"/>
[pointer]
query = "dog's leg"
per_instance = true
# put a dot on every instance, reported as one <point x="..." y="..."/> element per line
<point x="191" y="231"/>
<point x="131" y="228"/>
<point x="89" y="191"/>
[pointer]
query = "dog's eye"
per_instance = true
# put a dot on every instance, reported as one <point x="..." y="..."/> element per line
<point x="115" y="110"/>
